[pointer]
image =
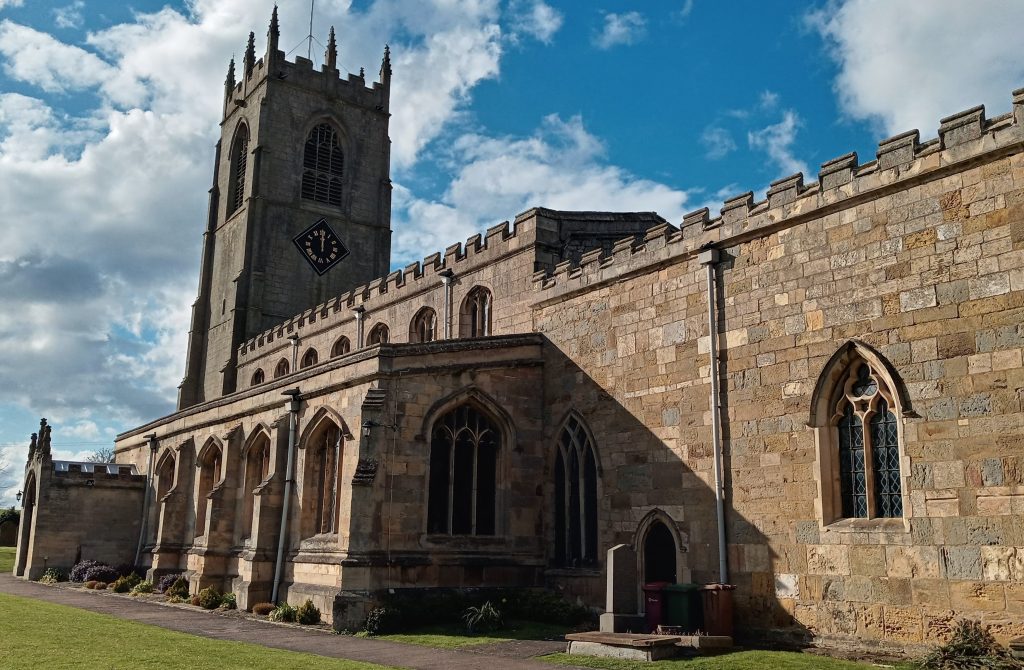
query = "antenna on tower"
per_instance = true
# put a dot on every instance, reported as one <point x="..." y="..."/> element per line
<point x="309" y="49"/>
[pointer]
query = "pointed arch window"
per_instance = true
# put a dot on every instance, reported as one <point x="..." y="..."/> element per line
<point x="475" y="315"/>
<point x="239" y="160"/>
<point x="378" y="335"/>
<point x="341" y="347"/>
<point x="576" y="542"/>
<point x="258" y="377"/>
<point x="462" y="497"/>
<point x="210" y="473"/>
<point x="323" y="469"/>
<point x="309" y="358"/>
<point x="859" y="443"/>
<point x="322" y="166"/>
<point x="257" y="469"/>
<point x="282" y="368"/>
<point x="424" y="326"/>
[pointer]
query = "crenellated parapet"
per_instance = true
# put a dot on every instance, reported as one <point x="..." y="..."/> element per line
<point x="274" y="64"/>
<point x="416" y="278"/>
<point x="964" y="139"/>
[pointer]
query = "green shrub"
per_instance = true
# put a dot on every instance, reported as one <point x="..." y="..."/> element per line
<point x="283" y="612"/>
<point x="177" y="600"/>
<point x="483" y="619"/>
<point x="972" y="646"/>
<point x="52" y="576"/>
<point x="126" y="583"/>
<point x="209" y="598"/>
<point x="179" y="589"/>
<point x="142" y="587"/>
<point x="308" y="613"/>
<point x="228" y="601"/>
<point x="383" y="620"/>
<point x="263" y="609"/>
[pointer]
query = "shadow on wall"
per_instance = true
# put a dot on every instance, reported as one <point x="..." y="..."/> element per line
<point x="655" y="489"/>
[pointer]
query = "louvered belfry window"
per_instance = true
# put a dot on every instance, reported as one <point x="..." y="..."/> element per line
<point x="322" y="166"/>
<point x="239" y="158"/>
<point x="869" y="461"/>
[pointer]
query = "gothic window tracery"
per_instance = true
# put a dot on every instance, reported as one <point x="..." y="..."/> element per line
<point x="341" y="347"/>
<point x="424" y="326"/>
<point x="257" y="469"/>
<point x="378" y="335"/>
<point x="309" y="358"/>
<point x="575" y="496"/>
<point x="210" y="465"/>
<point x="475" y="315"/>
<point x="258" y="377"/>
<point x="322" y="166"/>
<point x="281" y="369"/>
<point x="323" y="468"/>
<point x="867" y="446"/>
<point x="462" y="496"/>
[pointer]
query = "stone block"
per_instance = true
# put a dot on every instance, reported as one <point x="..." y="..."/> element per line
<point x="962" y="562"/>
<point x="977" y="596"/>
<point x="828" y="560"/>
<point x="914" y="562"/>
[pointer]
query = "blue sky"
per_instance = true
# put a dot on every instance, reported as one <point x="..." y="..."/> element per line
<point x="109" y="111"/>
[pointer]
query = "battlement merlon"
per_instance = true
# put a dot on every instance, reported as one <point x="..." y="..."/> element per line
<point x="274" y="65"/>
<point x="964" y="139"/>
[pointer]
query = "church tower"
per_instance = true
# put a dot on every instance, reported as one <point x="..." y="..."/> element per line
<point x="300" y="207"/>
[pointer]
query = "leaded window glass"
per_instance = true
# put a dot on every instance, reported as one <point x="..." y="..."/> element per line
<point x="870" y="484"/>
<point x="463" y="473"/>
<point x="575" y="497"/>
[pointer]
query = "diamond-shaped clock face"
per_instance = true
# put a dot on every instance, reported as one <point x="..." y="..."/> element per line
<point x="322" y="248"/>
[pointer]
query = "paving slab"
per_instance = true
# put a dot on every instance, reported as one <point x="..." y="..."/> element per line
<point x="212" y="625"/>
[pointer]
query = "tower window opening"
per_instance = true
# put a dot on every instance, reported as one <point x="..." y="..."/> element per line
<point x="322" y="166"/>
<point x="239" y="158"/>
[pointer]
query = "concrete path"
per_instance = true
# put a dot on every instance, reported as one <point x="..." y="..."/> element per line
<point x="212" y="625"/>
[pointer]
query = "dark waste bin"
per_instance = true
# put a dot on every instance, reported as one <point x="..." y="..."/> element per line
<point x="653" y="602"/>
<point x="717" y="600"/>
<point x="682" y="606"/>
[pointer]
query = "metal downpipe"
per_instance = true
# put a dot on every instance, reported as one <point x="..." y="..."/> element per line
<point x="282" y="539"/>
<point x="708" y="258"/>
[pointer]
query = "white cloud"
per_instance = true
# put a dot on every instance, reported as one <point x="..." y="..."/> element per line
<point x="536" y="19"/>
<point x="685" y="10"/>
<point x="69" y="16"/>
<point x="42" y="60"/>
<point x="777" y="141"/>
<point x="11" y="3"/>
<point x="627" y="28"/>
<point x="561" y="166"/>
<point x="906" y="64"/>
<point x="718" y="142"/>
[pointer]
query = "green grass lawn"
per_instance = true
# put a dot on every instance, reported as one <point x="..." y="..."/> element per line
<point x="6" y="559"/>
<point x="740" y="660"/>
<point x="35" y="634"/>
<point x="453" y="637"/>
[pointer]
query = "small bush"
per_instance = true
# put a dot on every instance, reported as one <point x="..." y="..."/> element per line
<point x="52" y="576"/>
<point x="308" y="614"/>
<point x="177" y="600"/>
<point x="483" y="619"/>
<point x="972" y="646"/>
<point x="77" y="573"/>
<point x="101" y="573"/>
<point x="228" y="601"/>
<point x="383" y="620"/>
<point x="89" y="585"/>
<point x="100" y="586"/>
<point x="263" y="609"/>
<point x="209" y="598"/>
<point x="283" y="612"/>
<point x="178" y="589"/>
<point x="168" y="580"/>
<point x="125" y="583"/>
<point x="142" y="587"/>
<point x="194" y="601"/>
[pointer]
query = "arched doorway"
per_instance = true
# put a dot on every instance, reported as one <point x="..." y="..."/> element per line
<point x="659" y="554"/>
<point x="25" y="539"/>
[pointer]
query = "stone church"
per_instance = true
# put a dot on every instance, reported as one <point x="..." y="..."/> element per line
<point x="816" y="397"/>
